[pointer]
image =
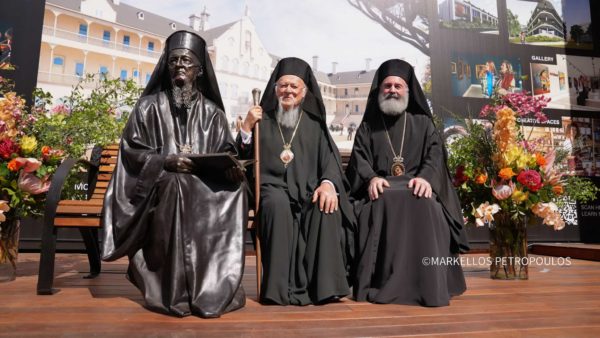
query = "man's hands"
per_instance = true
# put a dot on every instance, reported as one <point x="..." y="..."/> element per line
<point x="254" y="115"/>
<point x="178" y="164"/>
<point x="376" y="187"/>
<point x="422" y="187"/>
<point x="327" y="197"/>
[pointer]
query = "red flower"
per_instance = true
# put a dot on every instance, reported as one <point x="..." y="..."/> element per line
<point x="530" y="179"/>
<point x="460" y="177"/>
<point x="46" y="150"/>
<point x="8" y="148"/>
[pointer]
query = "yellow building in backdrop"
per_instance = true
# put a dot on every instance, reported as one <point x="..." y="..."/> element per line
<point x="114" y="39"/>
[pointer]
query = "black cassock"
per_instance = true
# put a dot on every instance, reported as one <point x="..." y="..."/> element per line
<point x="183" y="233"/>
<point x="399" y="229"/>
<point x="304" y="251"/>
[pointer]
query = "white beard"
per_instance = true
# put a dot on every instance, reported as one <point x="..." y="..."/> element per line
<point x="393" y="105"/>
<point x="287" y="118"/>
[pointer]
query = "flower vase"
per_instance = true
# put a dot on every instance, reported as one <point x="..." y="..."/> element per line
<point x="508" y="247"/>
<point x="9" y="249"/>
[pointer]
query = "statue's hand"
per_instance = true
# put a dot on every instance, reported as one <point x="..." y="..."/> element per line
<point x="234" y="174"/>
<point x="178" y="164"/>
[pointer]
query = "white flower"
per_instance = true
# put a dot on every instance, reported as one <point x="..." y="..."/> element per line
<point x="550" y="215"/>
<point x="4" y="207"/>
<point x="484" y="213"/>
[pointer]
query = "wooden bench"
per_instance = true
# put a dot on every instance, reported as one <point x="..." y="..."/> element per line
<point x="86" y="214"/>
<point x="82" y="214"/>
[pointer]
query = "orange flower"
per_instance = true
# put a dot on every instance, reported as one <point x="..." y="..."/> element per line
<point x="558" y="189"/>
<point x="506" y="173"/>
<point x="46" y="150"/>
<point x="481" y="178"/>
<point x="15" y="164"/>
<point x="540" y="159"/>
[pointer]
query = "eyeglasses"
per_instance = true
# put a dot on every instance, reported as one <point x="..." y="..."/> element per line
<point x="184" y="61"/>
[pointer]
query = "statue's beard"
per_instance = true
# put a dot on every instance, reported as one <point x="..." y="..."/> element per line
<point x="287" y="118"/>
<point x="183" y="96"/>
<point x="393" y="104"/>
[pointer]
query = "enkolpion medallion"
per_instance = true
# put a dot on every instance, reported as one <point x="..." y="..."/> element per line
<point x="398" y="167"/>
<point x="286" y="155"/>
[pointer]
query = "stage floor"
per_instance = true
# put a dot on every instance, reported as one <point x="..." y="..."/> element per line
<point x="557" y="301"/>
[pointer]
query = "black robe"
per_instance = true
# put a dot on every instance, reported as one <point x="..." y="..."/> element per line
<point x="183" y="233"/>
<point x="399" y="229"/>
<point x="305" y="252"/>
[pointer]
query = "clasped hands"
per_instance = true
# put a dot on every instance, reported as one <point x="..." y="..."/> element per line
<point x="184" y="165"/>
<point x="422" y="188"/>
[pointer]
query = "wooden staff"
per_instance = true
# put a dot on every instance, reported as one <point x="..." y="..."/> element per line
<point x="256" y="138"/>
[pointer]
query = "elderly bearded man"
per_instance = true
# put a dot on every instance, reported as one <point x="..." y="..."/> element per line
<point x="183" y="233"/>
<point x="406" y="205"/>
<point x="306" y="220"/>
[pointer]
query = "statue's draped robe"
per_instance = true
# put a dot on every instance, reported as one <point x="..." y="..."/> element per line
<point x="398" y="230"/>
<point x="183" y="233"/>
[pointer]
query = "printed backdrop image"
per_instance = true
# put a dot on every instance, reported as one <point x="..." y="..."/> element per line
<point x="553" y="23"/>
<point x="6" y="41"/>
<point x="477" y="15"/>
<point x="20" y="39"/>
<point x="483" y="75"/>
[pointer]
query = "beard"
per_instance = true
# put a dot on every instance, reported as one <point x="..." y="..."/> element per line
<point x="184" y="95"/>
<point x="393" y="104"/>
<point x="287" y="118"/>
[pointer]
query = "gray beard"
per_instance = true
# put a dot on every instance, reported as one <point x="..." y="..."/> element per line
<point x="393" y="105"/>
<point x="183" y="96"/>
<point x="287" y="118"/>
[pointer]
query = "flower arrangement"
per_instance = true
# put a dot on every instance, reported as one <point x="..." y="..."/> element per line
<point x="499" y="169"/>
<point x="505" y="179"/>
<point x="33" y="143"/>
<point x="26" y="166"/>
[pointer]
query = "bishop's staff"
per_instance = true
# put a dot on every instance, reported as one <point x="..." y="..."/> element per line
<point x="256" y="138"/>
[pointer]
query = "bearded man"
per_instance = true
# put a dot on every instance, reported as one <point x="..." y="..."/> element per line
<point x="182" y="231"/>
<point x="408" y="211"/>
<point x="306" y="222"/>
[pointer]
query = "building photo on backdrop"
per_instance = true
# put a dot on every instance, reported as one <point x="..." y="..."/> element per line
<point x="513" y="87"/>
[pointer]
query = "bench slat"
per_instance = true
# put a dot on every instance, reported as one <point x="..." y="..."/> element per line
<point x="106" y="168"/>
<point x="95" y="202"/>
<point x="102" y="184"/>
<point x="79" y="209"/>
<point x="77" y="221"/>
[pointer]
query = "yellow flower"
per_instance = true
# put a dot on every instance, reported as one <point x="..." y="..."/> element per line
<point x="506" y="173"/>
<point x="505" y="129"/>
<point x="28" y="144"/>
<point x="519" y="196"/>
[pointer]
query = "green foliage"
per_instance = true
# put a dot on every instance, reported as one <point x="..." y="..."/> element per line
<point x="463" y="24"/>
<point x="543" y="39"/>
<point x="85" y="120"/>
<point x="514" y="28"/>
<point x="580" y="189"/>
